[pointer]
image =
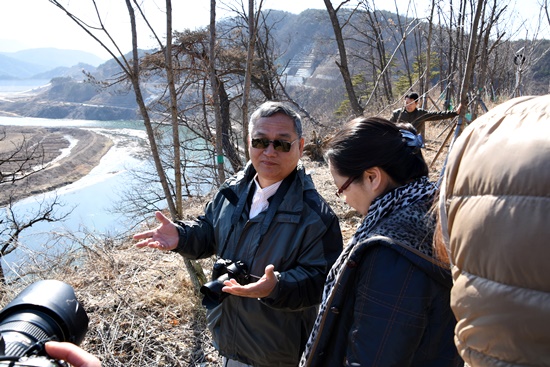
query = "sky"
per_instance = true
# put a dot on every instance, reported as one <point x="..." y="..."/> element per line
<point x="28" y="24"/>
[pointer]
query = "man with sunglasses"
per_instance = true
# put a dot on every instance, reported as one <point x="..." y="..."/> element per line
<point x="271" y="218"/>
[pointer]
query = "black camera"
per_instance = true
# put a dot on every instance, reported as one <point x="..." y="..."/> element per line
<point x="45" y="310"/>
<point x="222" y="271"/>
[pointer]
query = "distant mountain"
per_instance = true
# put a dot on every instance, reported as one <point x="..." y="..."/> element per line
<point x="26" y="64"/>
<point x="11" y="68"/>
<point x="70" y="95"/>
<point x="54" y="57"/>
<point x="306" y="57"/>
<point x="75" y="72"/>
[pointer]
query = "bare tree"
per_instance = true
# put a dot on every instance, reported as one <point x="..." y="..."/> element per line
<point x="173" y="112"/>
<point x="216" y="92"/>
<point x="252" y="27"/>
<point x="131" y="71"/>
<point x="372" y="30"/>
<point x="343" y="65"/>
<point x="427" y="73"/>
<point x="20" y="160"/>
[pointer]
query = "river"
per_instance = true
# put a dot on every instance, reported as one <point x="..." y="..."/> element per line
<point x="91" y="197"/>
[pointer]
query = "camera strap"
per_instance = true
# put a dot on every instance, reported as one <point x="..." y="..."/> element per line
<point x="240" y="205"/>
<point x="274" y="203"/>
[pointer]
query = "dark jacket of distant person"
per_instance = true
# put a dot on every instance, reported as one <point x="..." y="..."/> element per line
<point x="418" y="116"/>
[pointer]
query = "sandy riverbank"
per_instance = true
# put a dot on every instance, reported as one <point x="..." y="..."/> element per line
<point x="44" y="145"/>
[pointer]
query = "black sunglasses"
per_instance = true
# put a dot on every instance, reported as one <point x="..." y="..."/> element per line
<point x="278" y="145"/>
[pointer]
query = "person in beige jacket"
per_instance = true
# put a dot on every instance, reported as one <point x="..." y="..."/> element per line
<point x="495" y="221"/>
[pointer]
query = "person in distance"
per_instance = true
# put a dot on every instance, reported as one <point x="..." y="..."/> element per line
<point x="417" y="117"/>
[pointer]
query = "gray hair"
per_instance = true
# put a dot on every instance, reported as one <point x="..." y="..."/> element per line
<point x="270" y="108"/>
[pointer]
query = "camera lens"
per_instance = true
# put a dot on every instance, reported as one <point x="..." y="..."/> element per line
<point x="45" y="310"/>
<point x="223" y="270"/>
<point x="213" y="294"/>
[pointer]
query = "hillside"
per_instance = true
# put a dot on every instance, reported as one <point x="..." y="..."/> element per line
<point x="306" y="57"/>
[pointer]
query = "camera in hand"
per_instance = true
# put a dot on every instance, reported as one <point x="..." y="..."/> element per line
<point x="223" y="270"/>
<point x="45" y="310"/>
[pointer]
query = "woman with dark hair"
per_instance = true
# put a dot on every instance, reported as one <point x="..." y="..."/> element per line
<point x="386" y="299"/>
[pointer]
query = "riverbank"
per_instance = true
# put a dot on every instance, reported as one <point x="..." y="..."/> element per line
<point x="40" y="150"/>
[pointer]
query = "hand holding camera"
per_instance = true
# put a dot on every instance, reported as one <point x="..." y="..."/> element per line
<point x="233" y="278"/>
<point x="223" y="270"/>
<point x="44" y="311"/>
<point x="262" y="288"/>
<point x="71" y="353"/>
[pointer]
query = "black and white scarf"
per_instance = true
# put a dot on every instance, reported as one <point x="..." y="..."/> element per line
<point x="401" y="197"/>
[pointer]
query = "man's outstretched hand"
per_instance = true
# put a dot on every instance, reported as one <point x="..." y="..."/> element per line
<point x="164" y="237"/>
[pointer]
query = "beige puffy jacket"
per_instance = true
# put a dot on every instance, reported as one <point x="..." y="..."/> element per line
<point x="495" y="208"/>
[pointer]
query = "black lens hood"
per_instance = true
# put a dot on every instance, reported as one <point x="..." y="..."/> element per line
<point x="55" y="299"/>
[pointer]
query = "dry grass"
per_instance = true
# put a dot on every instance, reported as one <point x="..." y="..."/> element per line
<point x="146" y="312"/>
<point x="142" y="307"/>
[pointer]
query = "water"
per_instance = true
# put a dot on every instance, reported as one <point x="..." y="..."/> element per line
<point x="91" y="198"/>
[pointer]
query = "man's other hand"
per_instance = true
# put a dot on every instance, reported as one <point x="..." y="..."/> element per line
<point x="262" y="288"/>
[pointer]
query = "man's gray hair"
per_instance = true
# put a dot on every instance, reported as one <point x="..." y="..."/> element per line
<point x="270" y="108"/>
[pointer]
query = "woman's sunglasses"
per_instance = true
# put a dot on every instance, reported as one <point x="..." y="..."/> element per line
<point x="278" y="145"/>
